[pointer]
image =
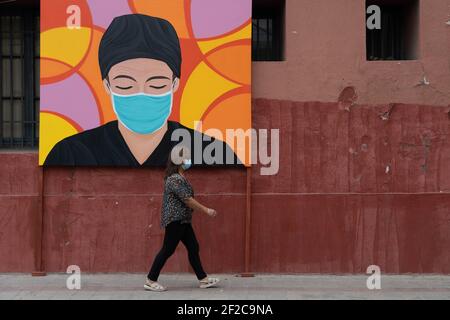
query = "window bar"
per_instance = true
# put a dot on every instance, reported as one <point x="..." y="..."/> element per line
<point x="384" y="26"/>
<point x="401" y="41"/>
<point x="11" y="80"/>
<point x="278" y="40"/>
<point x="262" y="21"/>
<point x="1" y="81"/>
<point x="390" y="50"/>
<point x="394" y="40"/>
<point x="372" y="46"/>
<point x="270" y="36"/>
<point x="36" y="89"/>
<point x="267" y="40"/>
<point x="260" y="38"/>
<point x="33" y="80"/>
<point x="27" y="76"/>
<point x="22" y="95"/>
<point x="257" y="40"/>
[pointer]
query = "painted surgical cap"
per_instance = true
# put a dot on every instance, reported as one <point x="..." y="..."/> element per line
<point x="136" y="36"/>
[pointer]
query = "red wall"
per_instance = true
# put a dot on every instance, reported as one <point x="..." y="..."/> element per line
<point x="333" y="207"/>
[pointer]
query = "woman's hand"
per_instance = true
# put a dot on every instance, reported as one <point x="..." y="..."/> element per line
<point x="195" y="205"/>
<point x="211" y="212"/>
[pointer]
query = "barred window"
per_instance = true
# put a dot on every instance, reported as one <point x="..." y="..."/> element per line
<point x="268" y="30"/>
<point x="398" y="37"/>
<point x="19" y="78"/>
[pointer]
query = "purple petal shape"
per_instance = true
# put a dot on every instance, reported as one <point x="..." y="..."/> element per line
<point x="73" y="99"/>
<point x="212" y="18"/>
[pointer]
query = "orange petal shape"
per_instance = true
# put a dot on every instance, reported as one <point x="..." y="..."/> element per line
<point x="232" y="113"/>
<point x="233" y="61"/>
<point x="172" y="11"/>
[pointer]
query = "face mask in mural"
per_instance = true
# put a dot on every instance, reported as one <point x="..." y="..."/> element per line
<point x="143" y="113"/>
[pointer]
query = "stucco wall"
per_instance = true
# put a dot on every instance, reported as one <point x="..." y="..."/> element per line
<point x="326" y="52"/>
<point x="353" y="190"/>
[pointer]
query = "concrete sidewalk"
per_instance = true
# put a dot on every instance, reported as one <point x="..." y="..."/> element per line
<point x="261" y="287"/>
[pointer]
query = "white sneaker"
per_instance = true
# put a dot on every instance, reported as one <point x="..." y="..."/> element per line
<point x="154" y="286"/>
<point x="209" y="283"/>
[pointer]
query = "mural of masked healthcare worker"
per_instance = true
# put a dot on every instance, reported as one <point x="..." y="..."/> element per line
<point x="140" y="62"/>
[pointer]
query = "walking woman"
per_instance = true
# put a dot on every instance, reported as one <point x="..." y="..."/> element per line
<point x="176" y="217"/>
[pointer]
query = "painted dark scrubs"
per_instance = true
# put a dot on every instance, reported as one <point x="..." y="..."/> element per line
<point x="105" y="146"/>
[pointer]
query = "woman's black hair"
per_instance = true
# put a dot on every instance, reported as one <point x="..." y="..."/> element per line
<point x="172" y="167"/>
<point x="136" y="36"/>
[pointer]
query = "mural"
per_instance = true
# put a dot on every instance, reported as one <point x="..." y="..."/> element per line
<point x="106" y="64"/>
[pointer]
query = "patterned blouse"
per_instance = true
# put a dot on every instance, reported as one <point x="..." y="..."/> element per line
<point x="176" y="190"/>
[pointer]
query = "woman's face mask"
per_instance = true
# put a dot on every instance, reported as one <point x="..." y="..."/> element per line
<point x="143" y="113"/>
<point x="187" y="164"/>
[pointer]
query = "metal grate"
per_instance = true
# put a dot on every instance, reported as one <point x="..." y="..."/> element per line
<point x="397" y="38"/>
<point x="19" y="79"/>
<point x="268" y="31"/>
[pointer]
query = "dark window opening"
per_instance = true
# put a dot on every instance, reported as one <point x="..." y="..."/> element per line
<point x="19" y="76"/>
<point x="398" y="37"/>
<point x="268" y="30"/>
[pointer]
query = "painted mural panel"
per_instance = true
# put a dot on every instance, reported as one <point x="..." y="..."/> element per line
<point x="120" y="78"/>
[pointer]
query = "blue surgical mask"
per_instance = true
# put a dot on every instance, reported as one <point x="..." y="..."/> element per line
<point x="187" y="164"/>
<point x="143" y="113"/>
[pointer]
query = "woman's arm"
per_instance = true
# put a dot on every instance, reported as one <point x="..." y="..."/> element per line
<point x="195" y="205"/>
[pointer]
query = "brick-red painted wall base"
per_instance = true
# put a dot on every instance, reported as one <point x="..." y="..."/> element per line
<point x="359" y="186"/>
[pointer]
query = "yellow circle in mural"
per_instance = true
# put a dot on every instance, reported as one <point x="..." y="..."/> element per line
<point x="66" y="45"/>
<point x="53" y="129"/>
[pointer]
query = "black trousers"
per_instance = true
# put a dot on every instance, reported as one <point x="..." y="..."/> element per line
<point x="176" y="232"/>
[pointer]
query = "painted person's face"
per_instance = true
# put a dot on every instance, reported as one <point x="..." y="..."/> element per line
<point x="141" y="75"/>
